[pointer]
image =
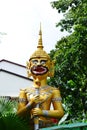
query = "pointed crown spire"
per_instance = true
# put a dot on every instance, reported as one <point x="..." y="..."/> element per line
<point x="40" y="52"/>
<point x="40" y="39"/>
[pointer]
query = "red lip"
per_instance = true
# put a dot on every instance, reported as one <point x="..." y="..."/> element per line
<point x="39" y="70"/>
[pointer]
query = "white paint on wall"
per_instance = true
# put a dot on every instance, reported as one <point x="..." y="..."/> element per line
<point x="10" y="84"/>
<point x="13" y="67"/>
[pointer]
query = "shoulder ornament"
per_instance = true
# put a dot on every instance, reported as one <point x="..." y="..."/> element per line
<point x="58" y="99"/>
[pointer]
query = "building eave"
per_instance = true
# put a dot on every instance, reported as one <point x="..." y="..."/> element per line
<point x="12" y="63"/>
<point x="2" y="70"/>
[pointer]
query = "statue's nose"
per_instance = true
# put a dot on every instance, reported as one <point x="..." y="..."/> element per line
<point x="38" y="63"/>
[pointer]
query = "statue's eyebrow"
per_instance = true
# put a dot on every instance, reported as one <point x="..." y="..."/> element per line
<point x="34" y="60"/>
<point x="44" y="60"/>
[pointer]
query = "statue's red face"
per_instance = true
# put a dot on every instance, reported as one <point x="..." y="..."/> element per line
<point x="39" y="66"/>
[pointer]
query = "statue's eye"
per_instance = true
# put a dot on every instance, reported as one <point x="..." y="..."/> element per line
<point x="43" y="61"/>
<point x="34" y="61"/>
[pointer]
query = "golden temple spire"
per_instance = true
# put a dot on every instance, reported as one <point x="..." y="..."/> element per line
<point x="40" y="45"/>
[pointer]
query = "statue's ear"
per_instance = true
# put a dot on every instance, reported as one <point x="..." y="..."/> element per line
<point x="28" y="64"/>
<point x="51" y="70"/>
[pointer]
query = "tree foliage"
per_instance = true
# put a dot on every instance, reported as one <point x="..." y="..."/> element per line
<point x="70" y="54"/>
<point x="74" y="13"/>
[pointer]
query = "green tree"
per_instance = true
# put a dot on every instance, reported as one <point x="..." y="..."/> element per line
<point x="74" y="13"/>
<point x="71" y="57"/>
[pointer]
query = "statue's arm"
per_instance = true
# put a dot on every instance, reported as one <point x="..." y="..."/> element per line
<point x="57" y="111"/>
<point x="23" y="105"/>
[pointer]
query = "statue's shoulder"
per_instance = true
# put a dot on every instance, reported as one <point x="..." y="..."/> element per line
<point x="25" y="89"/>
<point x="54" y="90"/>
<point x="22" y="90"/>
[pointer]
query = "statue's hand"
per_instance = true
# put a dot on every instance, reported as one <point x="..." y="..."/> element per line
<point x="43" y="97"/>
<point x="35" y="99"/>
<point x="36" y="112"/>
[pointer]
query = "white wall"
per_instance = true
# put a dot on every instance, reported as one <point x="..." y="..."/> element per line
<point x="10" y="85"/>
<point x="18" y="69"/>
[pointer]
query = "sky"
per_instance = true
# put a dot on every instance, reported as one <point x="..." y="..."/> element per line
<point x="19" y="28"/>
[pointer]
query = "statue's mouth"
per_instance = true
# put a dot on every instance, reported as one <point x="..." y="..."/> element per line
<point x="39" y="70"/>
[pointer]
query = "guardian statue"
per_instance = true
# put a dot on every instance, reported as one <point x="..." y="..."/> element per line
<point x="40" y="102"/>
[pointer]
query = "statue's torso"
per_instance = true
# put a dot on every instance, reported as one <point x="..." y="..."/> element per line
<point x="45" y="94"/>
